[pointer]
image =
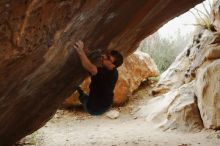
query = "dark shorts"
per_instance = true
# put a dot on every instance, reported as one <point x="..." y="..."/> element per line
<point x="84" y="98"/>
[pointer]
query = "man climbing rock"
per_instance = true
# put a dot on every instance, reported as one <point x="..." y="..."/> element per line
<point x="103" y="80"/>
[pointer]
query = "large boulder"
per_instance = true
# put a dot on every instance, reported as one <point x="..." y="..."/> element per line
<point x="207" y="90"/>
<point x="136" y="68"/>
<point x="39" y="68"/>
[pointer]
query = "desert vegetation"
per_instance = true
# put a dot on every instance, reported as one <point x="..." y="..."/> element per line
<point x="164" y="49"/>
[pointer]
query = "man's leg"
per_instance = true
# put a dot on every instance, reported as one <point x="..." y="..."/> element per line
<point x="83" y="98"/>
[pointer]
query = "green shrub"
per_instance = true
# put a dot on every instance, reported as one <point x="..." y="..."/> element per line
<point x="163" y="50"/>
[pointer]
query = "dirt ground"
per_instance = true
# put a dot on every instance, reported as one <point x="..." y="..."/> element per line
<point x="74" y="127"/>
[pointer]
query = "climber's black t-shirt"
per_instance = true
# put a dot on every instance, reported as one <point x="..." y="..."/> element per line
<point x="102" y="90"/>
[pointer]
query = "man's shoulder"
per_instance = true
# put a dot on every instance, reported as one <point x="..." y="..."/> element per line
<point x="115" y="73"/>
<point x="115" y="70"/>
<point x="102" y="70"/>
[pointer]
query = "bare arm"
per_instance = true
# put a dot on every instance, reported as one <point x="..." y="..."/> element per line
<point x="86" y="63"/>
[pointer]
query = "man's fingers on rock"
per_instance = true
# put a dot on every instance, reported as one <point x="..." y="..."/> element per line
<point x="75" y="46"/>
<point x="78" y="44"/>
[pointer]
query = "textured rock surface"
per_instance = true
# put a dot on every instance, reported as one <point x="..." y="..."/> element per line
<point x="177" y="109"/>
<point x="187" y="61"/>
<point x="38" y="68"/>
<point x="135" y="69"/>
<point x="216" y="16"/>
<point x="194" y="74"/>
<point x="207" y="90"/>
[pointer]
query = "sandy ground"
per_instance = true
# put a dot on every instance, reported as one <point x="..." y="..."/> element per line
<point x="74" y="127"/>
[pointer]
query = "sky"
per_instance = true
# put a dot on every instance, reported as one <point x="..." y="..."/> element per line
<point x="182" y="22"/>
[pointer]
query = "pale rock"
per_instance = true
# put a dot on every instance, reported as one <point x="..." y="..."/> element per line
<point x="202" y="51"/>
<point x="213" y="53"/>
<point x="112" y="114"/>
<point x="173" y="77"/>
<point x="216" y="16"/>
<point x="177" y="109"/>
<point x="207" y="90"/>
<point x="189" y="90"/>
<point x="185" y="63"/>
<point x="197" y="63"/>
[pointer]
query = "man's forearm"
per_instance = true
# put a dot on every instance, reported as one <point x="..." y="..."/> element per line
<point x="86" y="63"/>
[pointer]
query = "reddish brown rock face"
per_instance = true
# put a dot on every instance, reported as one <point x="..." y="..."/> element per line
<point x="39" y="68"/>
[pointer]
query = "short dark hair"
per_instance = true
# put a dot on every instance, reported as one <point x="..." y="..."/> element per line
<point x="118" y="58"/>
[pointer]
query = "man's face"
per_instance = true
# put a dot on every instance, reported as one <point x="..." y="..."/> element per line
<point x="108" y="61"/>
